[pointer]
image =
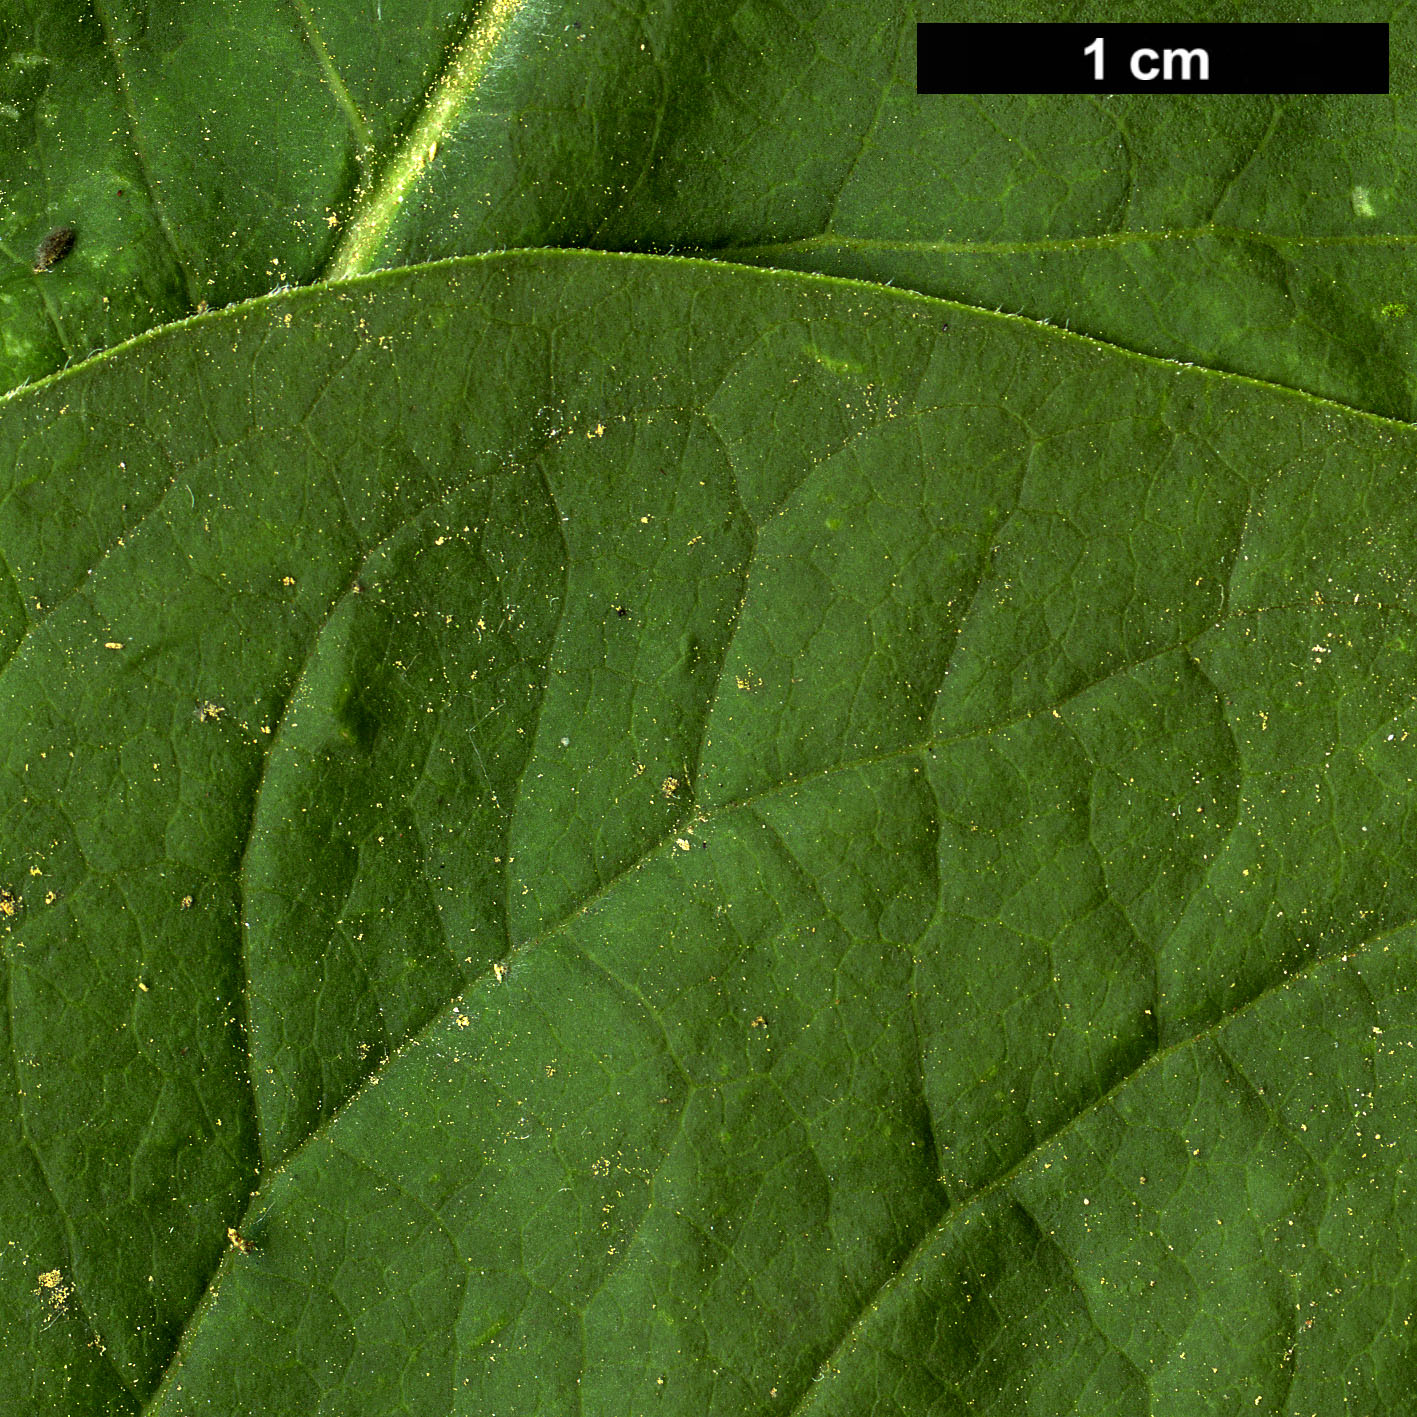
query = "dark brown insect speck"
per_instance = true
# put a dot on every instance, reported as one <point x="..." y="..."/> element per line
<point x="54" y="248"/>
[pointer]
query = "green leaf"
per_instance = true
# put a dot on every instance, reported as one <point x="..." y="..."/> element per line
<point x="272" y="146"/>
<point x="609" y="834"/>
<point x="625" y="833"/>
<point x="206" y="156"/>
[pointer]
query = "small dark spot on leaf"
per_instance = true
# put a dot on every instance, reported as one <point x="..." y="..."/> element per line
<point x="621" y="611"/>
<point x="944" y="329"/>
<point x="54" y="248"/>
<point x="356" y="718"/>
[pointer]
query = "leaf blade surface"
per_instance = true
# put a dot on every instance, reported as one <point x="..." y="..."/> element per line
<point x="995" y="781"/>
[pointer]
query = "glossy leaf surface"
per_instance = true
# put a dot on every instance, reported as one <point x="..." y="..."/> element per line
<point x="600" y="834"/>
<point x="651" y="836"/>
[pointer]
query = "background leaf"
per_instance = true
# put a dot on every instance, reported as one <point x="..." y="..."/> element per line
<point x="1264" y="235"/>
<point x="621" y="832"/>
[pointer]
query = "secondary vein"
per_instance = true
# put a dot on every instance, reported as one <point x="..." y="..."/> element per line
<point x="333" y="77"/>
<point x="973" y="1205"/>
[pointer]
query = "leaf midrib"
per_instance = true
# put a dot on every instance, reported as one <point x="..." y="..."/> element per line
<point x="457" y="81"/>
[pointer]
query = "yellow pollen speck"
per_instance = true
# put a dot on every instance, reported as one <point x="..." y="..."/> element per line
<point x="55" y="1292"/>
